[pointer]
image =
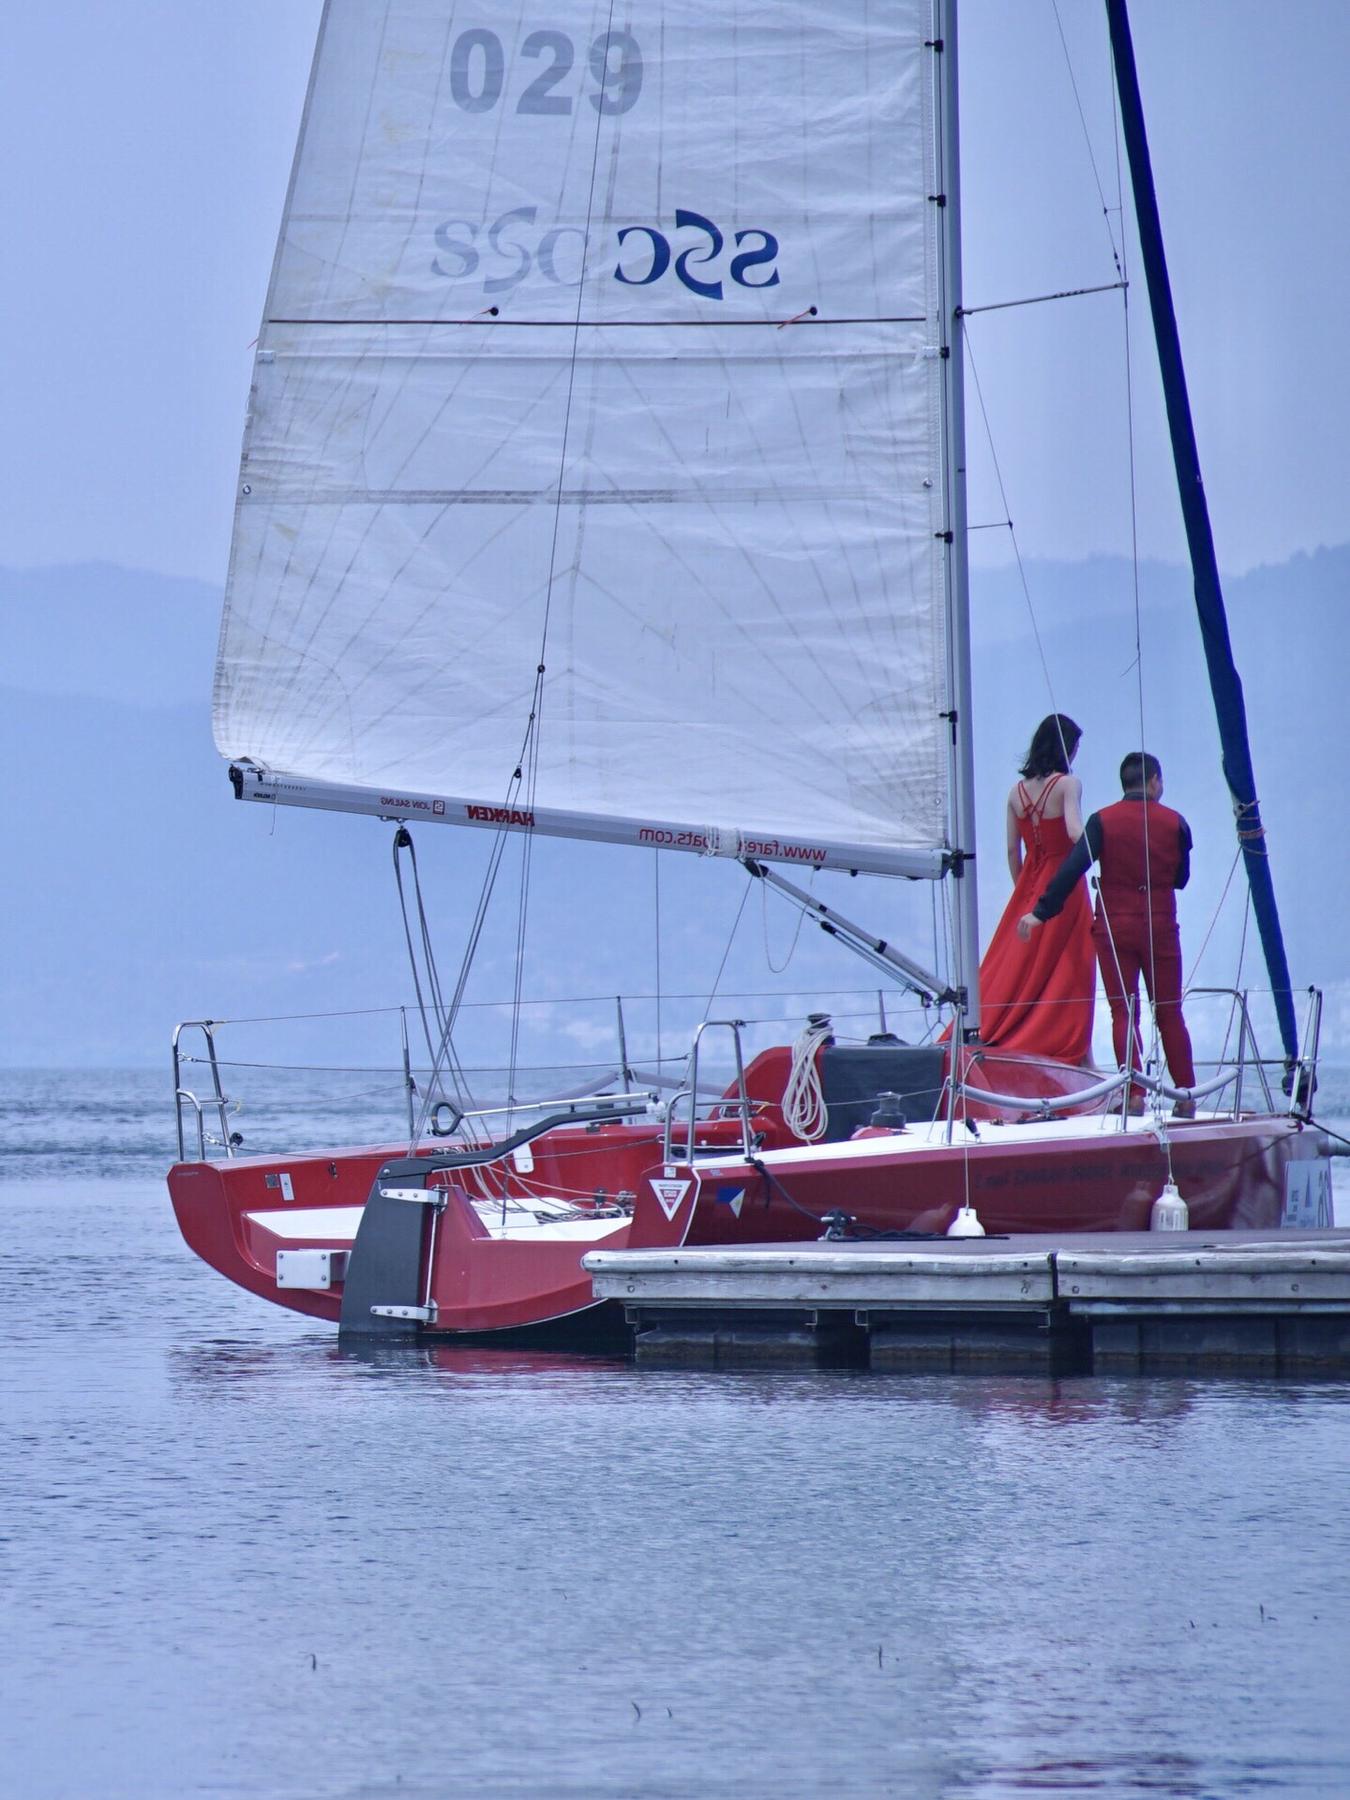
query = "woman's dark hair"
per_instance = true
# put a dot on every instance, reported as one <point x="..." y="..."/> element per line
<point x="1052" y="744"/>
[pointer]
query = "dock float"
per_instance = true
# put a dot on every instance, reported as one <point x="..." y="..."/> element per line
<point x="1272" y="1303"/>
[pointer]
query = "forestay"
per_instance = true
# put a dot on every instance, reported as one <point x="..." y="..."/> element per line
<point x="606" y="339"/>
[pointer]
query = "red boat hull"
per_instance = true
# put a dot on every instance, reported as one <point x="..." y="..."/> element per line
<point x="1087" y="1174"/>
<point x="238" y="1215"/>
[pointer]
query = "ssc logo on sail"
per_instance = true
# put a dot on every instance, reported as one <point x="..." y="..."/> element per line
<point x="703" y="256"/>
<point x="509" y="248"/>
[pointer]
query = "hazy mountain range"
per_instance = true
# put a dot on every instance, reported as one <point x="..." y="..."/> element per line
<point x="139" y="893"/>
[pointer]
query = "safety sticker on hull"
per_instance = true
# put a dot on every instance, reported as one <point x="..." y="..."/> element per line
<point x="1307" y="1195"/>
<point x="734" y="1197"/>
<point x="670" y="1194"/>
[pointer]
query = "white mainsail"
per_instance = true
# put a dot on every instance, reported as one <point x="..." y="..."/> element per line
<point x="606" y="342"/>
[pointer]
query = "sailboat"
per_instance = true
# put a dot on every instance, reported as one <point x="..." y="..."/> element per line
<point x="604" y="478"/>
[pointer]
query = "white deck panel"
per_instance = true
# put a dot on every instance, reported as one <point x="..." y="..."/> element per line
<point x="310" y="1223"/>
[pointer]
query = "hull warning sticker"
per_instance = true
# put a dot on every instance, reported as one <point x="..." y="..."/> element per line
<point x="670" y="1194"/>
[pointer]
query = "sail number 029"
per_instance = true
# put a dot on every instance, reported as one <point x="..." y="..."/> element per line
<point x="478" y="71"/>
<point x="478" y="77"/>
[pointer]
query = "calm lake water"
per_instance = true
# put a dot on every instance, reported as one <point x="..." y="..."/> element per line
<point x="236" y="1562"/>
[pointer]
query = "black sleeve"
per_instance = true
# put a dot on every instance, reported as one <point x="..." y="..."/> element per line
<point x="1075" y="865"/>
<point x="1184" y="860"/>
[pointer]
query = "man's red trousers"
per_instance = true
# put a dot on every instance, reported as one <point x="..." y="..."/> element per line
<point x="1123" y="954"/>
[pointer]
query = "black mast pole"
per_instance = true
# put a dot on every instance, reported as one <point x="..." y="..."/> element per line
<point x="1223" y="676"/>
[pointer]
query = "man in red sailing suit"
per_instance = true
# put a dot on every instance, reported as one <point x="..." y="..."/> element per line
<point x="1143" y="852"/>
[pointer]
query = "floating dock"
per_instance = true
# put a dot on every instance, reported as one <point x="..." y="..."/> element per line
<point x="1270" y="1303"/>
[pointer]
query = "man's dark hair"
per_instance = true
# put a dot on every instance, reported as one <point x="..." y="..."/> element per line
<point x="1137" y="770"/>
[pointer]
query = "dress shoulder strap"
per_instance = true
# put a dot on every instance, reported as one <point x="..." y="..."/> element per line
<point x="1037" y="812"/>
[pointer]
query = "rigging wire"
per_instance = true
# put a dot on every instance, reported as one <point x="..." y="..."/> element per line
<point x="1119" y="255"/>
<point x="1242" y="942"/>
<point x="932" y="1017"/>
<point x="1119" y="261"/>
<point x="437" y="1046"/>
<point x="529" y="759"/>
<point x="1214" y="920"/>
<point x="731" y="938"/>
<point x="942" y="904"/>
<point x="444" y="1050"/>
<point x="656" y="938"/>
<point x="522" y="920"/>
<point x="971" y="365"/>
<point x="1131" y="449"/>
<point x="1239" y="1010"/>
<point x="1121" y="283"/>
<point x="1107" y="211"/>
<point x="777" y="968"/>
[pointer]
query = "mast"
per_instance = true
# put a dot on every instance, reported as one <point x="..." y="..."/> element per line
<point x="1224" y="681"/>
<point x="967" y="945"/>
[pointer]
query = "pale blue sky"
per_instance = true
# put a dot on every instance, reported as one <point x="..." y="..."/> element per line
<point x="147" y="149"/>
<point x="147" y="146"/>
<point x="1250" y="136"/>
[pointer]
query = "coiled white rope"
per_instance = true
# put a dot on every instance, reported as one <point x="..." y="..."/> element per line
<point x="804" y="1109"/>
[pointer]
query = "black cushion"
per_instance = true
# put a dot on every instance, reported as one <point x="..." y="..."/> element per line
<point x="852" y="1077"/>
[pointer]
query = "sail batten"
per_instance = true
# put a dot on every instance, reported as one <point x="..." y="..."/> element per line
<point x="606" y="356"/>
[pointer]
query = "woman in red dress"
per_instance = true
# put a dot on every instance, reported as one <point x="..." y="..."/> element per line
<point x="1036" y="999"/>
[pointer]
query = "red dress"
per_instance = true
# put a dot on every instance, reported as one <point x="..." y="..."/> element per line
<point x="1036" y="998"/>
